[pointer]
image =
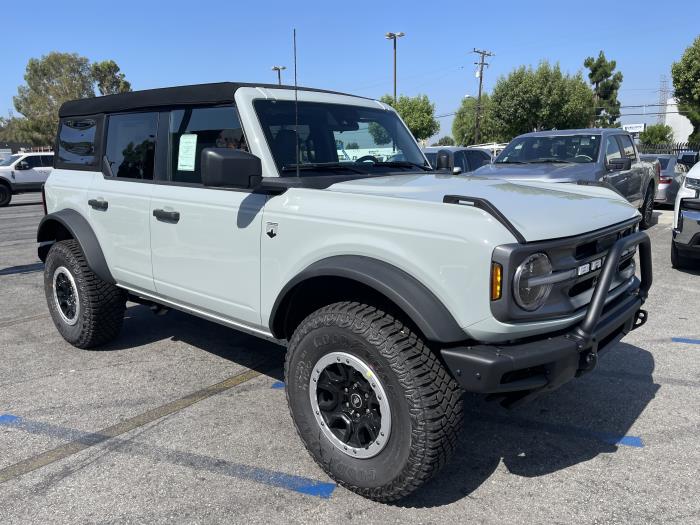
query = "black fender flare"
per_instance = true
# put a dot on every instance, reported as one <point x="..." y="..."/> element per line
<point x="80" y="230"/>
<point x="414" y="299"/>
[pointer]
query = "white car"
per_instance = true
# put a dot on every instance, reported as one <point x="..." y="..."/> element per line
<point x="394" y="287"/>
<point x="23" y="173"/>
<point x="686" y="221"/>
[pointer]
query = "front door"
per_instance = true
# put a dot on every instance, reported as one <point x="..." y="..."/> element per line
<point x="618" y="179"/>
<point x="205" y="242"/>
<point x="635" y="179"/>
<point x="32" y="176"/>
<point x="120" y="202"/>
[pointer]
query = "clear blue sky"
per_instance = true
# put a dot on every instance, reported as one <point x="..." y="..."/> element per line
<point x="341" y="45"/>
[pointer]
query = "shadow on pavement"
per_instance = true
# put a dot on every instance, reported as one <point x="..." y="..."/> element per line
<point x="574" y="424"/>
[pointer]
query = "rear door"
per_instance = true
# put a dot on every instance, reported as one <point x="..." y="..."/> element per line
<point x="205" y="241"/>
<point x="120" y="202"/>
<point x="635" y="178"/>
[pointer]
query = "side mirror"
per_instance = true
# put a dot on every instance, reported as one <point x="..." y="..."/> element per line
<point x="456" y="170"/>
<point x="233" y="168"/>
<point x="22" y="165"/>
<point x="619" y="164"/>
<point x="442" y="161"/>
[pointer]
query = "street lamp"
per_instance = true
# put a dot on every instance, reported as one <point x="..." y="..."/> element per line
<point x="279" y="70"/>
<point x="394" y="37"/>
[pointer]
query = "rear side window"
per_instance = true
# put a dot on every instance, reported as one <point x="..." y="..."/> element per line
<point x="131" y="145"/>
<point x="477" y="159"/>
<point x="192" y="130"/>
<point x="77" y="141"/>
<point x="47" y="161"/>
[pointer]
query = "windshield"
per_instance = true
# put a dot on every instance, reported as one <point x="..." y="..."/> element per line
<point x="9" y="160"/>
<point x="365" y="140"/>
<point x="563" y="148"/>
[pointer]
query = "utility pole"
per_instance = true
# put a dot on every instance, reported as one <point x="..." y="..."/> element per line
<point x="279" y="70"/>
<point x="481" y="63"/>
<point x="394" y="37"/>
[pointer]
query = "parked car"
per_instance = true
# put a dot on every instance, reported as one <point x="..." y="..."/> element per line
<point x="685" y="247"/>
<point x="460" y="159"/>
<point x="23" y="173"/>
<point x="671" y="173"/>
<point x="587" y="156"/>
<point x="394" y="288"/>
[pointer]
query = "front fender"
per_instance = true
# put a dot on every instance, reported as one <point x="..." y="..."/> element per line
<point x="69" y="224"/>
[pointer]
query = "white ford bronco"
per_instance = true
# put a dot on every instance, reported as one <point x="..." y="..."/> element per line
<point x="393" y="286"/>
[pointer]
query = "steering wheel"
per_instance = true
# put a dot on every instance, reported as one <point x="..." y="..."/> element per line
<point x="367" y="158"/>
<point x="586" y="158"/>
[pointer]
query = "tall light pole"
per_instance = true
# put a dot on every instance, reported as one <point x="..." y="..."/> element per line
<point x="279" y="70"/>
<point x="394" y="37"/>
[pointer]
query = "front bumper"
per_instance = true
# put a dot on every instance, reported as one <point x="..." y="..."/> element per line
<point x="686" y="236"/>
<point x="524" y="370"/>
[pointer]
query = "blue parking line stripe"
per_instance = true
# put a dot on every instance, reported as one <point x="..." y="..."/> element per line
<point x="615" y="439"/>
<point x="685" y="340"/>
<point x="278" y="384"/>
<point x="273" y="478"/>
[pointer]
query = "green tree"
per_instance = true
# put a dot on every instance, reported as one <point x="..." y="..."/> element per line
<point x="465" y="120"/>
<point x="445" y="141"/>
<point x="543" y="98"/>
<point x="417" y="112"/>
<point x="606" y="84"/>
<point x="109" y="78"/>
<point x="656" y="134"/>
<point x="686" y="85"/>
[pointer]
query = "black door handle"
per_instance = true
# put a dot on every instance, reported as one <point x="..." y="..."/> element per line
<point x="98" y="204"/>
<point x="167" y="216"/>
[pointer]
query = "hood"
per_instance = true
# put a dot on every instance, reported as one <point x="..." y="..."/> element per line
<point x="543" y="171"/>
<point x="539" y="210"/>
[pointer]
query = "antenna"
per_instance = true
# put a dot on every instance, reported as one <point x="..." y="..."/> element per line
<point x="296" y="102"/>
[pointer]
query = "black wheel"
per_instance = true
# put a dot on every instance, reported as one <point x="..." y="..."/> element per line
<point x="647" y="209"/>
<point x="5" y="195"/>
<point x="678" y="260"/>
<point x="371" y="402"/>
<point x="86" y="310"/>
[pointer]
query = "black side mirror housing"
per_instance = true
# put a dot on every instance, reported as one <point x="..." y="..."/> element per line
<point x="619" y="164"/>
<point x="442" y="161"/>
<point x="230" y="168"/>
<point x="22" y="165"/>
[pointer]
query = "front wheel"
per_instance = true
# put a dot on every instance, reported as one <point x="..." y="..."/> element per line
<point x="373" y="405"/>
<point x="647" y="209"/>
<point x="5" y="195"/>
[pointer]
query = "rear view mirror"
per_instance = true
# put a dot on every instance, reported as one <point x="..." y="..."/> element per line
<point x="233" y="168"/>
<point x="619" y="164"/>
<point x="443" y="160"/>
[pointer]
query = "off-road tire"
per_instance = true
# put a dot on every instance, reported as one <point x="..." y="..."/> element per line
<point x="101" y="308"/>
<point x="677" y="260"/>
<point x="425" y="401"/>
<point x="647" y="209"/>
<point x="5" y="195"/>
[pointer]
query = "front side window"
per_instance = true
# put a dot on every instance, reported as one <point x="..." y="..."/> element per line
<point x="627" y="146"/>
<point x="192" y="130"/>
<point x="318" y="134"/>
<point x="564" y="148"/>
<point x="76" y="141"/>
<point x="33" y="161"/>
<point x="612" y="149"/>
<point x="131" y="144"/>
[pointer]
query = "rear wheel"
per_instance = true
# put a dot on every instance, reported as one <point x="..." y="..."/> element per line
<point x="86" y="310"/>
<point x="371" y="402"/>
<point x="5" y="195"/>
<point x="647" y="209"/>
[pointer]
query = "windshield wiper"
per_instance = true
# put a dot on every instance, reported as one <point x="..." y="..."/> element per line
<point x="403" y="164"/>
<point x="320" y="166"/>
<point x="510" y="162"/>
<point x="551" y="161"/>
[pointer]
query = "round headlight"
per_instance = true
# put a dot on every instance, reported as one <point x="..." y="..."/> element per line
<point x="531" y="296"/>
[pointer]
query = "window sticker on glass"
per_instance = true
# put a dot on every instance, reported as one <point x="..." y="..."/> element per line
<point x="585" y="141"/>
<point x="187" y="152"/>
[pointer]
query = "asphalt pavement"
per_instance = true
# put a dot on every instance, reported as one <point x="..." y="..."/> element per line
<point x="181" y="420"/>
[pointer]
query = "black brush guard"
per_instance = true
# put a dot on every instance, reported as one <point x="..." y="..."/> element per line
<point x="520" y="372"/>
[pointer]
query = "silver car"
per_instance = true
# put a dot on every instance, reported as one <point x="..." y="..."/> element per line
<point x="670" y="177"/>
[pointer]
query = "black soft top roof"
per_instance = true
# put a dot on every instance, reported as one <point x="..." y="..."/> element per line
<point x="198" y="94"/>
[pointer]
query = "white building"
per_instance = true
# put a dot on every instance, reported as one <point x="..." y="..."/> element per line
<point x="681" y="126"/>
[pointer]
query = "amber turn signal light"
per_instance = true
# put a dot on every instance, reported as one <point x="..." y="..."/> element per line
<point x="496" y="281"/>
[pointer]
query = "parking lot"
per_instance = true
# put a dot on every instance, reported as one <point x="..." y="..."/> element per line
<point x="184" y="420"/>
